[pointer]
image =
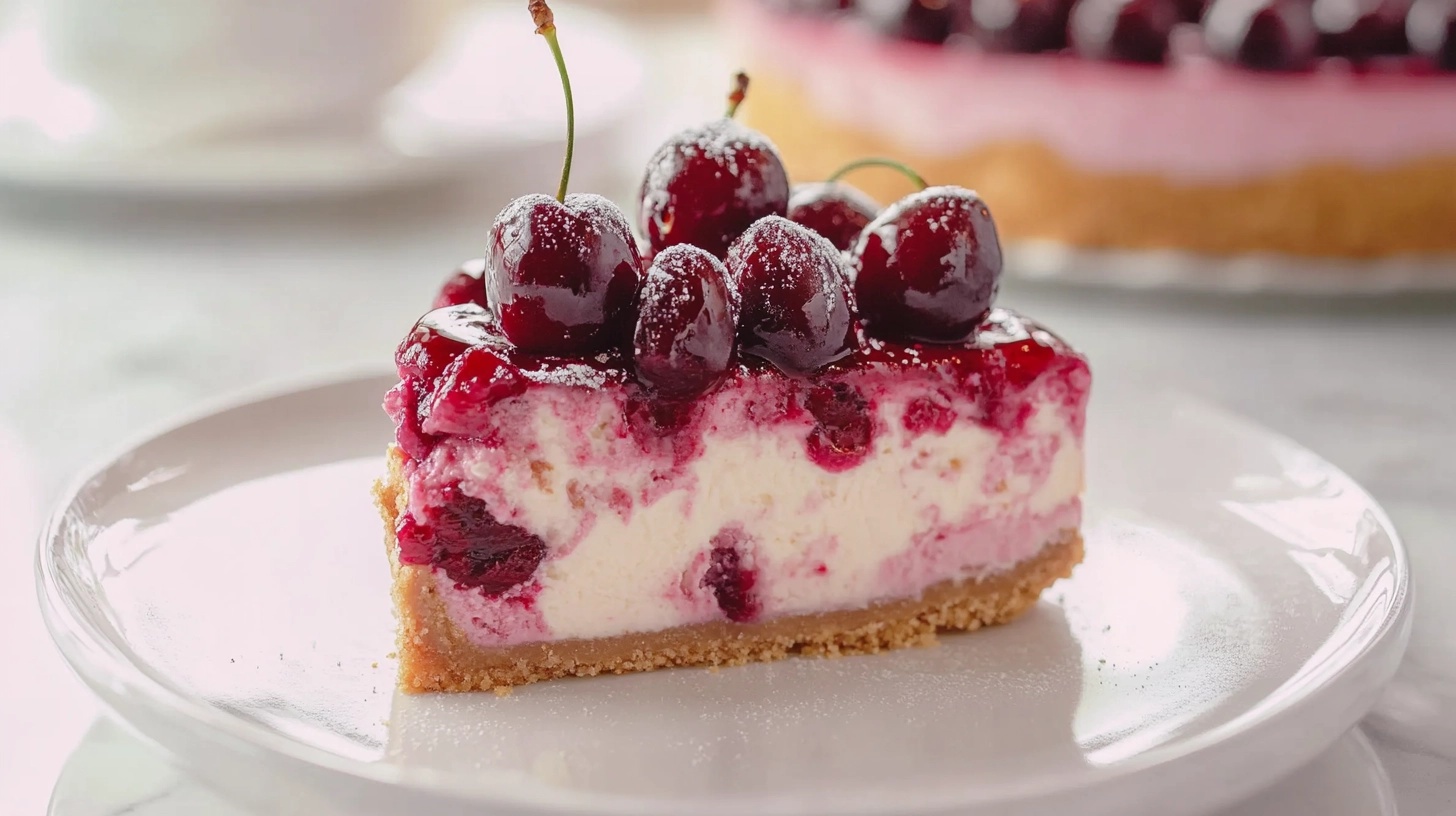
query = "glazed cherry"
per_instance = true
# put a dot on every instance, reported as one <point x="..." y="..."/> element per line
<point x="833" y="209"/>
<point x="561" y="275"/>
<point x="707" y="184"/>
<point x="1266" y="35"/>
<point x="927" y="21"/>
<point x="1361" y="29"/>
<point x="927" y="269"/>
<point x="465" y="285"/>
<point x="472" y="547"/>
<point x="469" y="389"/>
<point x="1016" y="26"/>
<point x="1191" y="11"/>
<point x="1431" y="27"/>
<point x="441" y="336"/>
<point x="684" y="337"/>
<point x="1126" y="30"/>
<point x="794" y="303"/>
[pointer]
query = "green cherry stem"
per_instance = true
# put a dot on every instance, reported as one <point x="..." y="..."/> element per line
<point x="735" y="96"/>
<point x="880" y="162"/>
<point x="546" y="26"/>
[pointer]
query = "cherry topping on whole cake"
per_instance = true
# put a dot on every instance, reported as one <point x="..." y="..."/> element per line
<point x="562" y="273"/>
<point x="928" y="267"/>
<point x="706" y="185"/>
<point x="1266" y="35"/>
<point x="794" y="303"/>
<point x="1431" y="28"/>
<point x="927" y="21"/>
<point x="465" y="285"/>
<point x="470" y="545"/>
<point x="684" y="338"/>
<point x="1127" y="30"/>
<point x="1360" y="29"/>
<point x="1017" y="26"/>
<point x="441" y="336"/>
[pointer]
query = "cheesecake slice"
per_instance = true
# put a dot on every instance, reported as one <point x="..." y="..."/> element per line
<point x="550" y="516"/>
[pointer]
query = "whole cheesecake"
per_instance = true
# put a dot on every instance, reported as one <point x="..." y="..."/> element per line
<point x="1297" y="128"/>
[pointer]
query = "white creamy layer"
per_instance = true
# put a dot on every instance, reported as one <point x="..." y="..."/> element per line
<point x="821" y="540"/>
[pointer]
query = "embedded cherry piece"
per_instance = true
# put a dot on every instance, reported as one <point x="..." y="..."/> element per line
<point x="833" y="209"/>
<point x="842" y="429"/>
<point x="1126" y="30"/>
<point x="794" y="303"/>
<point x="1361" y="29"/>
<point x="1431" y="28"/>
<point x="928" y="268"/>
<point x="684" y="338"/>
<point x="465" y="285"/>
<point x="561" y="276"/>
<point x="731" y="577"/>
<point x="706" y="185"/>
<point x="441" y="336"/>
<point x="474" y="549"/>
<point x="1266" y="35"/>
<point x="1016" y="26"/>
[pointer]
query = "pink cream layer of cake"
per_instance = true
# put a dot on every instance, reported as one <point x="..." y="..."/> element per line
<point x="554" y="500"/>
<point x="1193" y="119"/>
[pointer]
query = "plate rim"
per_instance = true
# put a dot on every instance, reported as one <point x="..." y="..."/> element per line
<point x="101" y="664"/>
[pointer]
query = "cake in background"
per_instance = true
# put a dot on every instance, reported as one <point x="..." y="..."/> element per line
<point x="1319" y="129"/>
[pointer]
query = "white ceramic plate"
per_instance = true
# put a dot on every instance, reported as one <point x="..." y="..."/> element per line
<point x="489" y="99"/>
<point x="1243" y="274"/>
<point x="222" y="587"/>
<point x="112" y="772"/>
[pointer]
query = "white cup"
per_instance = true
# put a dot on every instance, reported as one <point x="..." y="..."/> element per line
<point x="165" y="71"/>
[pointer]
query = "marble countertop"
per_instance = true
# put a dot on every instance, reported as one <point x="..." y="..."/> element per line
<point x="117" y="315"/>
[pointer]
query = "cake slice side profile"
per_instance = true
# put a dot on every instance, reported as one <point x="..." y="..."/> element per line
<point x="734" y="441"/>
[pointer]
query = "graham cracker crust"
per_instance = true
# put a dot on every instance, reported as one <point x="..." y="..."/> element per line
<point x="434" y="655"/>
<point x="1322" y="210"/>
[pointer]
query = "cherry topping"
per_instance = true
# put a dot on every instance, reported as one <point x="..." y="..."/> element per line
<point x="1017" y="26"/>
<point x="1431" y="27"/>
<point x="470" y="545"/>
<point x="561" y="275"/>
<point x="469" y="388"/>
<point x="441" y="335"/>
<point x="1266" y="35"/>
<point x="684" y="337"/>
<point x="927" y="21"/>
<point x="706" y="185"/>
<point x="843" y="428"/>
<point x="463" y="286"/>
<point x="833" y="209"/>
<point x="928" y="267"/>
<point x="731" y="577"/>
<point x="794" y="310"/>
<point x="1127" y="30"/>
<point x="1360" y="29"/>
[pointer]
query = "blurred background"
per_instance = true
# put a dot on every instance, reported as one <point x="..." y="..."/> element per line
<point x="1254" y="202"/>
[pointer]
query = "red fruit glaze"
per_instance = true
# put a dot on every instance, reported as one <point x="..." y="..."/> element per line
<point x="706" y="185"/>
<point x="1266" y="35"/>
<point x="684" y="338"/>
<point x="833" y="209"/>
<point x="1016" y="26"/>
<point x="794" y="303"/>
<point x="928" y="267"/>
<point x="561" y="277"/>
<point x="470" y="388"/>
<point x="465" y="285"/>
<point x="1361" y="29"/>
<point x="441" y="336"/>
<point x="461" y="537"/>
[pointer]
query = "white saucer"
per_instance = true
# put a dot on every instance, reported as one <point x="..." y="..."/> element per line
<point x="456" y="114"/>
<point x="221" y="586"/>
<point x="1242" y="274"/>
<point x="113" y="772"/>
